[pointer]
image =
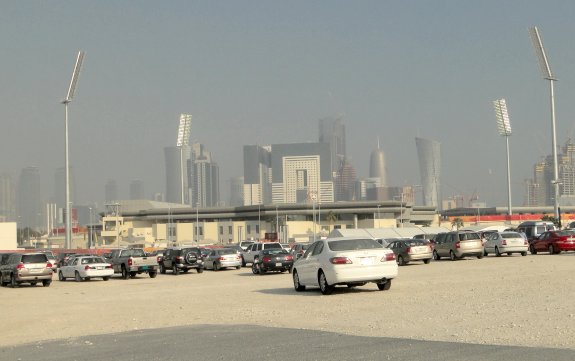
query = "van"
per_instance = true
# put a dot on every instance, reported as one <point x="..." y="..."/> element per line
<point x="533" y="229"/>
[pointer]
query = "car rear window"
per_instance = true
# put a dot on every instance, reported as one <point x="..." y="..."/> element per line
<point x="34" y="258"/>
<point x="353" y="244"/>
<point x="564" y="233"/>
<point x="227" y="251"/>
<point x="272" y="246"/>
<point x="415" y="242"/>
<point x="511" y="235"/>
<point x="468" y="236"/>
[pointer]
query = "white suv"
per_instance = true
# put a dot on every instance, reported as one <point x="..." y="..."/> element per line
<point x="254" y="249"/>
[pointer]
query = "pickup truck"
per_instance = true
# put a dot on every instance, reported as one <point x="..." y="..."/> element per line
<point x="133" y="261"/>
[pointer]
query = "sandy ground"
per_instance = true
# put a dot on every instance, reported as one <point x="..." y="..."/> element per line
<point x="528" y="301"/>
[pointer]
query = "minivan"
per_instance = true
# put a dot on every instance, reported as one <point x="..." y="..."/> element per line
<point x="533" y="229"/>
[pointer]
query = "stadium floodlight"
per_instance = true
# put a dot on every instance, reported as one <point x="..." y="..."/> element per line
<point x="504" y="127"/>
<point x="69" y="97"/>
<point x="183" y="140"/>
<point x="547" y="74"/>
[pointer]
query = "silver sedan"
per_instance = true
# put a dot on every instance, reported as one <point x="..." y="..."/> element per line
<point x="86" y="267"/>
<point x="221" y="258"/>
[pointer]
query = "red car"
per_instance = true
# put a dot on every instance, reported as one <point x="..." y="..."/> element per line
<point x="553" y="242"/>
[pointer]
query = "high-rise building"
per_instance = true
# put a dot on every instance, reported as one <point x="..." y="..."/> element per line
<point x="301" y="173"/>
<point x="332" y="131"/>
<point x="137" y="189"/>
<point x="377" y="168"/>
<point x="7" y="198"/>
<point x="429" y="154"/>
<point x="29" y="199"/>
<point x="111" y="191"/>
<point x="344" y="183"/>
<point x="257" y="175"/>
<point x="237" y="191"/>
<point x="177" y="174"/>
<point x="204" y="178"/>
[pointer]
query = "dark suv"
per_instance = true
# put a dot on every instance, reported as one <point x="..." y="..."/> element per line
<point x="26" y="267"/>
<point x="181" y="259"/>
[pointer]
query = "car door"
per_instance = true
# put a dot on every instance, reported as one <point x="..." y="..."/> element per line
<point x="440" y="244"/>
<point x="491" y="239"/>
<point x="540" y="243"/>
<point x="304" y="269"/>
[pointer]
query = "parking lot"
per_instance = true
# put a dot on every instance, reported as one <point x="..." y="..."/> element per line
<point x="516" y="300"/>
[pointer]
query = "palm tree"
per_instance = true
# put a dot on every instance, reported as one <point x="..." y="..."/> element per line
<point x="457" y="223"/>
<point x="331" y="218"/>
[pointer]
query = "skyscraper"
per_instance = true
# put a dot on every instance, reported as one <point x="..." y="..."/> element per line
<point x="377" y="166"/>
<point x="237" y="191"/>
<point x="137" y="189"/>
<point x="205" y="178"/>
<point x="332" y="131"/>
<point x="29" y="199"/>
<point x="7" y="198"/>
<point x="429" y="154"/>
<point x="257" y="175"/>
<point x="301" y="172"/>
<point x="177" y="161"/>
<point x="111" y="191"/>
<point x="344" y="183"/>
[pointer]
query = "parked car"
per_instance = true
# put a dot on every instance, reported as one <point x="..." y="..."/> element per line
<point x="245" y="244"/>
<point x="254" y="250"/>
<point x="26" y="268"/>
<point x="458" y="244"/>
<point x="182" y="259"/>
<point x="344" y="261"/>
<point x="51" y="258"/>
<point x="273" y="260"/>
<point x="64" y="257"/>
<point x="534" y="229"/>
<point x="409" y="250"/>
<point x="84" y="268"/>
<point x="299" y="249"/>
<point x="505" y="242"/>
<point x="554" y="242"/>
<point x="220" y="258"/>
<point x="133" y="261"/>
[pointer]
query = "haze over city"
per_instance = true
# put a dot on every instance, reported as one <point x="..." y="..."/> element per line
<point x="260" y="72"/>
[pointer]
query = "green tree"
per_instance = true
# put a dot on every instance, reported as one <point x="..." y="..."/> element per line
<point x="548" y="218"/>
<point x="457" y="223"/>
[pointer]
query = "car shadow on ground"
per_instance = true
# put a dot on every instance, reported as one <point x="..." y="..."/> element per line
<point x="314" y="291"/>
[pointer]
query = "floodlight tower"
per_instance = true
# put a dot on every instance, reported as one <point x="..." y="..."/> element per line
<point x="504" y="127"/>
<point x="69" y="97"/>
<point x="547" y="74"/>
<point x="183" y="140"/>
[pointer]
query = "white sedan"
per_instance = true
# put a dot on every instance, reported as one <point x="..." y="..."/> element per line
<point x="505" y="242"/>
<point x="344" y="261"/>
<point x="86" y="267"/>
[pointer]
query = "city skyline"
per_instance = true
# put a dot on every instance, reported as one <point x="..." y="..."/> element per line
<point x="265" y="73"/>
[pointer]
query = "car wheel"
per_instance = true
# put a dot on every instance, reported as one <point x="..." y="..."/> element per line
<point x="532" y="250"/>
<point x="200" y="269"/>
<point x="551" y="249"/>
<point x="255" y="269"/>
<point x="384" y="286"/>
<point x="61" y="276"/>
<point x="261" y="269"/>
<point x="524" y="254"/>
<point x="46" y="283"/>
<point x="401" y="261"/>
<point x="426" y="261"/>
<point x="485" y="253"/>
<point x="13" y="282"/>
<point x="105" y="278"/>
<point x="324" y="287"/>
<point x="243" y="262"/>
<point x="153" y="274"/>
<point x="162" y="268"/>
<point x="125" y="273"/>
<point x="480" y="256"/>
<point x="133" y="274"/>
<point x="238" y="267"/>
<point x="175" y="270"/>
<point x="77" y="277"/>
<point x="497" y="253"/>
<point x="296" y="285"/>
<point x="33" y="283"/>
<point x="436" y="256"/>
<point x="216" y="266"/>
<point x="452" y="256"/>
<point x="509" y="253"/>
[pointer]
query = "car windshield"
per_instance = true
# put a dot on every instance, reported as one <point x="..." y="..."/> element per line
<point x="352" y="244"/>
<point x="135" y="253"/>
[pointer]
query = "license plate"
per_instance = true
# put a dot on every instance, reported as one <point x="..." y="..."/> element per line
<point x="36" y="270"/>
<point x="100" y="267"/>
<point x="144" y="267"/>
<point x="366" y="261"/>
<point x="279" y="264"/>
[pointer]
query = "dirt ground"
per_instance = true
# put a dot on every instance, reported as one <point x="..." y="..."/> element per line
<point x="527" y="301"/>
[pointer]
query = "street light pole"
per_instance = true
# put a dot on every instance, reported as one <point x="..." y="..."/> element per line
<point x="69" y="96"/>
<point x="197" y="223"/>
<point x="548" y="75"/>
<point x="504" y="127"/>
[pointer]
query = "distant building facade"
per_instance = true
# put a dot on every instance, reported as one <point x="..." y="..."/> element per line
<point x="332" y="132"/>
<point x="204" y="177"/>
<point x="257" y="175"/>
<point x="137" y="189"/>
<point x="236" y="191"/>
<point x="29" y="199"/>
<point x="177" y="174"/>
<point x="7" y="198"/>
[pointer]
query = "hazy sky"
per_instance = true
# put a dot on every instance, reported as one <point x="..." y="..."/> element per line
<point x="264" y="72"/>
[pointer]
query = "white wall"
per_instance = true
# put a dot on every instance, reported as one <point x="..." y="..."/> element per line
<point x="8" y="238"/>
